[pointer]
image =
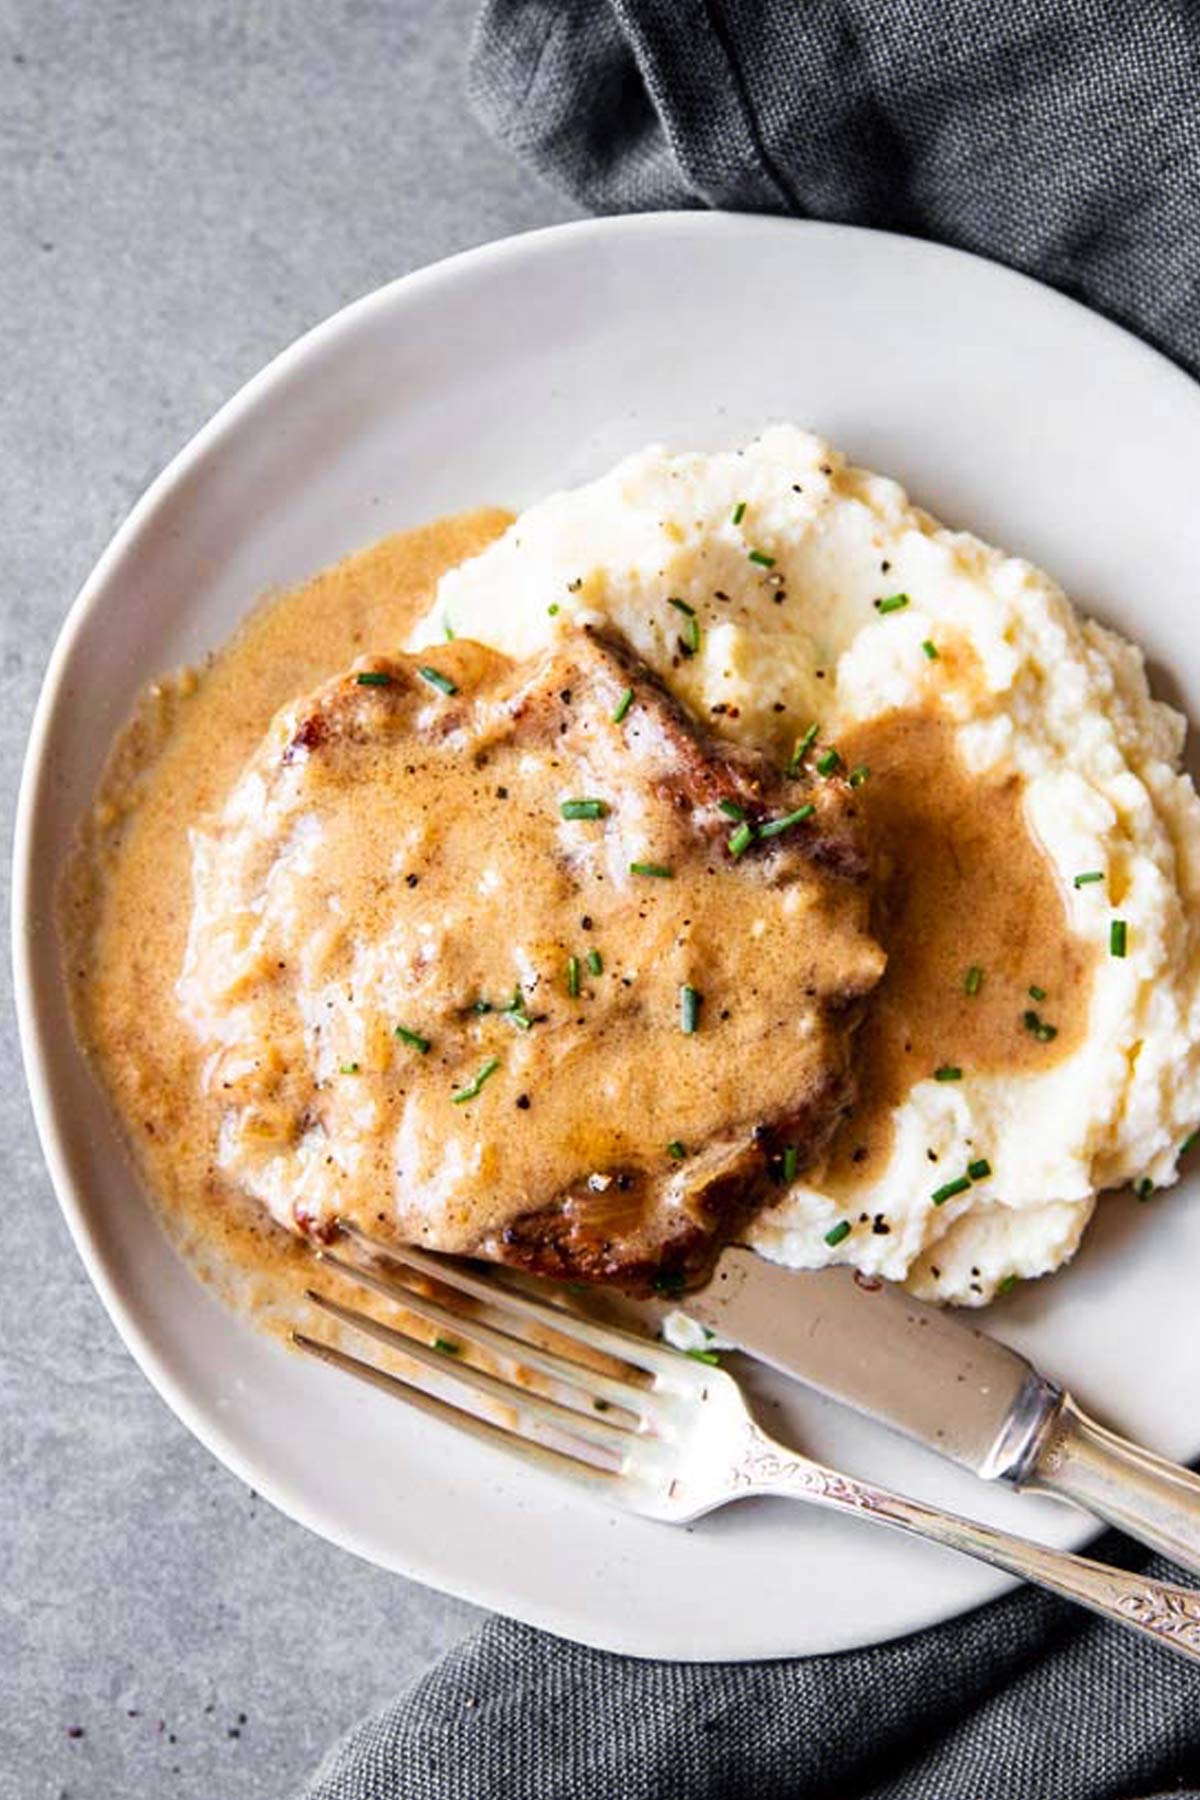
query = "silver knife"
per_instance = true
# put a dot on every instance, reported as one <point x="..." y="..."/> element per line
<point x="928" y="1373"/>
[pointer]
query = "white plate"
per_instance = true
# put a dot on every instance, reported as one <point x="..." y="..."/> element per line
<point x="498" y="376"/>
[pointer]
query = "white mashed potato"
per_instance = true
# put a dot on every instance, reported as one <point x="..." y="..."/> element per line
<point x="1054" y="696"/>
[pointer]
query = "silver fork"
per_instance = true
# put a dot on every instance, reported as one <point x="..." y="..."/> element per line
<point x="650" y="1429"/>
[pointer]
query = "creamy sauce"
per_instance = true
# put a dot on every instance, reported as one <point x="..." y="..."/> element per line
<point x="127" y="896"/>
<point x="962" y="886"/>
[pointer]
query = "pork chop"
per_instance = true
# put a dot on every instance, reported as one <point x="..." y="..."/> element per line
<point x="516" y="961"/>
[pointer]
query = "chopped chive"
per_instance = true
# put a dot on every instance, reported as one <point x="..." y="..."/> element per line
<point x="857" y="776"/>
<point x="762" y="559"/>
<point x="705" y="1356"/>
<point x="791" y="1158"/>
<point x="980" y="1169"/>
<point x="414" y="1038"/>
<point x="731" y="809"/>
<point x="690" y="1002"/>
<point x="552" y="609"/>
<point x="1045" y="1034"/>
<point x="1007" y="1285"/>
<point x="584" y="809"/>
<point x="445" y="1346"/>
<point x="837" y="1233"/>
<point x="974" y="980"/>
<point x="436" y="679"/>
<point x="668" y="1281"/>
<point x="740" y="840"/>
<point x="1088" y="877"/>
<point x="829" y="763"/>
<point x="1118" y="937"/>
<point x="348" y="1069"/>
<point x="595" y="962"/>
<point x="1189" y="1142"/>
<point x="475" y="1086"/>
<point x="516" y="1014"/>
<point x="373" y="678"/>
<point x="959" y="1185"/>
<point x="775" y="826"/>
<point x="1144" y="1188"/>
<point x="948" y="1072"/>
<point x="693" y="635"/>
<point x="622" y="707"/>
<point x="573" y="976"/>
<point x="481" y="1006"/>
<point x="739" y="512"/>
<point x="683" y="607"/>
<point x="930" y="649"/>
<point x="676" y="1149"/>
<point x="448" y="628"/>
<point x="1037" y="993"/>
<point x="658" y="870"/>
<point x="803" y="746"/>
<point x="893" y="603"/>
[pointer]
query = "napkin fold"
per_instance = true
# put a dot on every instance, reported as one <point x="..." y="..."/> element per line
<point x="1061" y="137"/>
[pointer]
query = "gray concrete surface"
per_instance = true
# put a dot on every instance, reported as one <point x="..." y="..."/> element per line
<point x="183" y="188"/>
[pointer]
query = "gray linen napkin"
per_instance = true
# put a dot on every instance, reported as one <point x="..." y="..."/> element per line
<point x="1061" y="137"/>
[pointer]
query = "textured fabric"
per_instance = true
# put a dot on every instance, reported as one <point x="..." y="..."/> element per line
<point x="1059" y="136"/>
<point x="1026" y="1699"/>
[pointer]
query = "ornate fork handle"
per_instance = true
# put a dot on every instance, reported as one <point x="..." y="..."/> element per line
<point x="1169" y="1614"/>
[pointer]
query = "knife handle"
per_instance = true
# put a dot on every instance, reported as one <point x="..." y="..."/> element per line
<point x="1144" y="1495"/>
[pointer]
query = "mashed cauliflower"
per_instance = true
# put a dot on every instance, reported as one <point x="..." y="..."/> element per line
<point x="778" y="551"/>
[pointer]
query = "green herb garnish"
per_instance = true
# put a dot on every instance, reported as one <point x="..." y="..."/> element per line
<point x="1190" y="1142"/>
<point x="803" y="746"/>
<point x="948" y="1072"/>
<point x="676" y="1149"/>
<point x="762" y="559"/>
<point x="731" y="809"/>
<point x="436" y="679"/>
<point x="1045" y="1034"/>
<point x="959" y="1185"/>
<point x="739" y="512"/>
<point x="445" y="1346"/>
<point x="573" y="976"/>
<point x="475" y="1086"/>
<point x="774" y="826"/>
<point x="705" y="1356"/>
<point x="1037" y="993"/>
<point x="622" y="707"/>
<point x="348" y="1069"/>
<point x="658" y="870"/>
<point x="1144" y="1188"/>
<point x="791" y="1159"/>
<point x="893" y="603"/>
<point x="584" y="809"/>
<point x="595" y="962"/>
<point x="740" y="840"/>
<point x="974" y="980"/>
<point x="857" y="776"/>
<point x="829" y="763"/>
<point x="1118" y="937"/>
<point x="980" y="1169"/>
<point x="414" y="1038"/>
<point x="1088" y="877"/>
<point x="1007" y="1285"/>
<point x="373" y="678"/>
<point x="837" y="1233"/>
<point x="930" y="649"/>
<point x="553" y="609"/>
<point x="690" y="1002"/>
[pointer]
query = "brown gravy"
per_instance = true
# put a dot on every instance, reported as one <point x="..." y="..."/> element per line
<point x="126" y="898"/>
<point x="963" y="885"/>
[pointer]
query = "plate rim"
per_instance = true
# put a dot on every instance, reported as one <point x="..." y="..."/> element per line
<point x="496" y="1595"/>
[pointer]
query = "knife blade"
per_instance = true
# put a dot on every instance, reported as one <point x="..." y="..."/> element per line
<point x="927" y="1372"/>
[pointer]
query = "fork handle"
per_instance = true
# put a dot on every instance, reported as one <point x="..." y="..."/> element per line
<point x="1169" y="1615"/>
